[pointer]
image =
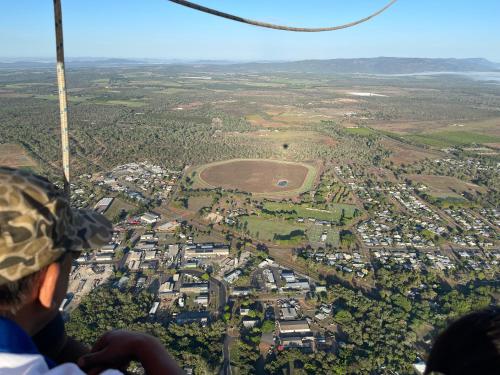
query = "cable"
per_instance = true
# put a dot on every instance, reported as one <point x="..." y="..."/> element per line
<point x="63" y="105"/>
<point x="278" y="27"/>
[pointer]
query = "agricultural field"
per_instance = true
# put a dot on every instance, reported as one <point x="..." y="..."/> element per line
<point x="445" y="139"/>
<point x="12" y="155"/>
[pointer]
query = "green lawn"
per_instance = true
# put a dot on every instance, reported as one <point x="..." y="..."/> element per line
<point x="365" y="132"/>
<point x="447" y="200"/>
<point x="117" y="206"/>
<point x="315" y="232"/>
<point x="333" y="213"/>
<point x="452" y="138"/>
<point x="265" y="228"/>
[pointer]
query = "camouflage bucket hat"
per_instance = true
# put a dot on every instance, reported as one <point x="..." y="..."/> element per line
<point x="37" y="225"/>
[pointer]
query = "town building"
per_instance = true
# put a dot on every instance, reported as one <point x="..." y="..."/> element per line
<point x="241" y="291"/>
<point x="288" y="276"/>
<point x="195" y="288"/>
<point x="154" y="308"/>
<point x="232" y="276"/>
<point x="202" y="299"/>
<point x="187" y="317"/>
<point x="103" y="205"/>
<point x="168" y="227"/>
<point x="206" y="251"/>
<point x="103" y="258"/>
<point x="166" y="288"/>
<point x="293" y="326"/>
<point x="150" y="218"/>
<point x="109" y="248"/>
<point x="296" y="342"/>
<point x="133" y="261"/>
<point x="288" y="313"/>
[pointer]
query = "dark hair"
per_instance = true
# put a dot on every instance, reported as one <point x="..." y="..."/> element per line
<point x="470" y="345"/>
<point x="13" y="294"/>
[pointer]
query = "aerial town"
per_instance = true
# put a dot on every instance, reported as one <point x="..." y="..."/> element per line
<point x="274" y="218"/>
<point x="206" y="267"/>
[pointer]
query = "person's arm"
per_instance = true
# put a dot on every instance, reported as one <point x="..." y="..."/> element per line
<point x="53" y="342"/>
<point x="116" y="349"/>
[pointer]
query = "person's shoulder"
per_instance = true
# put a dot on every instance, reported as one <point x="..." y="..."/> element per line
<point x="72" y="369"/>
<point x="35" y="364"/>
<point x="13" y="363"/>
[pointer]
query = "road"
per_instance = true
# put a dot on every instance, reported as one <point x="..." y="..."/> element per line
<point x="223" y="294"/>
<point x="226" y="366"/>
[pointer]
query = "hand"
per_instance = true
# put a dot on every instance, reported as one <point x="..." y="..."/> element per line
<point x="113" y="350"/>
<point x="116" y="349"/>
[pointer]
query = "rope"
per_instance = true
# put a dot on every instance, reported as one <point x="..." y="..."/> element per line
<point x="61" y="85"/>
<point x="278" y="27"/>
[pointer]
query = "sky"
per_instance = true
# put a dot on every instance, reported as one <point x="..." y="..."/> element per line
<point x="164" y="30"/>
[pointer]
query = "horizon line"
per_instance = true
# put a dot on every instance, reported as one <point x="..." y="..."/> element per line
<point x="194" y="60"/>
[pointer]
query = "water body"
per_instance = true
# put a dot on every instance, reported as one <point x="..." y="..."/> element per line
<point x="477" y="76"/>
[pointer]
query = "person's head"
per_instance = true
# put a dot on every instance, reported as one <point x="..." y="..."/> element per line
<point x="39" y="236"/>
<point x="470" y="345"/>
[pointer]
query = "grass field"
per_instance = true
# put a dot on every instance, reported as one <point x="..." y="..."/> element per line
<point x="258" y="120"/>
<point x="127" y="103"/>
<point x="443" y="187"/>
<point x="265" y="228"/>
<point x="117" y="206"/>
<point x="364" y="132"/>
<point x="197" y="202"/>
<point x="333" y="213"/>
<point x="403" y="153"/>
<point x="452" y="138"/>
<point x="314" y="233"/>
<point x="132" y="103"/>
<point x="71" y="98"/>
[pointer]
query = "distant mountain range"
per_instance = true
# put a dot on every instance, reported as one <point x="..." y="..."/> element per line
<point x="378" y="65"/>
<point x="381" y="65"/>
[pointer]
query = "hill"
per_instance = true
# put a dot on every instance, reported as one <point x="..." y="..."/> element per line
<point x="378" y="65"/>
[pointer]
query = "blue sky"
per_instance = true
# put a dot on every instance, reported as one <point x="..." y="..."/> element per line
<point x="160" y="29"/>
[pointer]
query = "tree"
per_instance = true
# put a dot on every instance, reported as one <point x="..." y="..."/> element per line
<point x="343" y="317"/>
<point x="268" y="326"/>
<point x="347" y="238"/>
<point x="105" y="309"/>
